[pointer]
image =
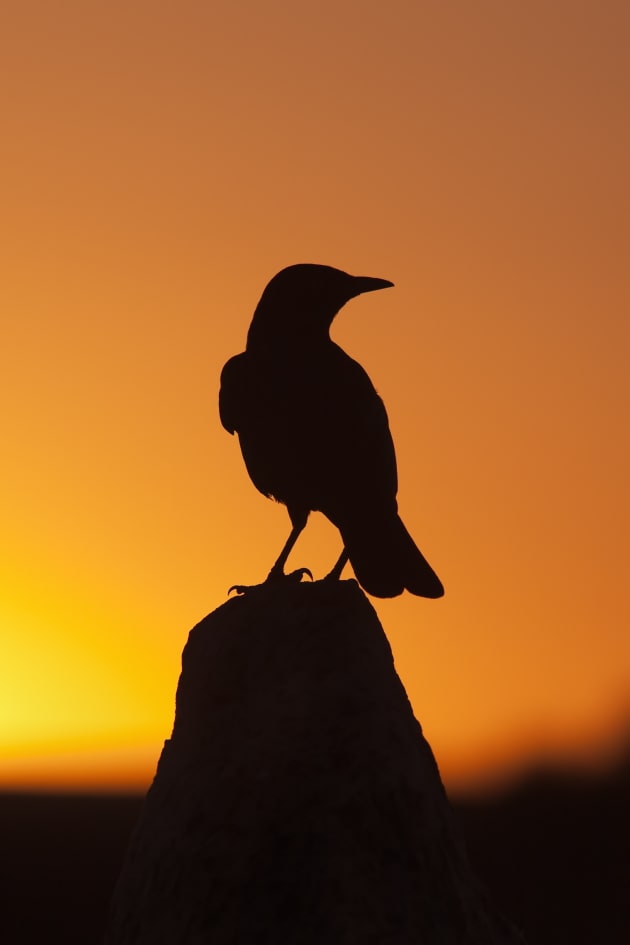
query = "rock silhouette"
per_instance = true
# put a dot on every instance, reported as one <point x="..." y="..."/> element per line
<point x="297" y="801"/>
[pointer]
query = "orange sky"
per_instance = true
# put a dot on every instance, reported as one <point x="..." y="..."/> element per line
<point x="160" y="163"/>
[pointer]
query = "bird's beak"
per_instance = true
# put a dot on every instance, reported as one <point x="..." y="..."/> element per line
<point x="363" y="284"/>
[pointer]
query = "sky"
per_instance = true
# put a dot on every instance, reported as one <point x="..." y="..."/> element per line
<point x="160" y="163"/>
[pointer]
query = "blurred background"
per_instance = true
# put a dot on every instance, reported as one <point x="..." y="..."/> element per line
<point x="160" y="163"/>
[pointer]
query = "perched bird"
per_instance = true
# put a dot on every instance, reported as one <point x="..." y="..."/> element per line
<point x="314" y="433"/>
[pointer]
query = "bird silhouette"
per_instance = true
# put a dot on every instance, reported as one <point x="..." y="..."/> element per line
<point x="314" y="433"/>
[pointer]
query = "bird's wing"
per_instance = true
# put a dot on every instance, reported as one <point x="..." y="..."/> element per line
<point x="233" y="392"/>
<point x="313" y="431"/>
<point x="259" y="406"/>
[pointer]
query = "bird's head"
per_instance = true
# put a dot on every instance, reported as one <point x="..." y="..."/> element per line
<point x="300" y="302"/>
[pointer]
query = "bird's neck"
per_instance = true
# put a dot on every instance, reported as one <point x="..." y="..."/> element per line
<point x="290" y="343"/>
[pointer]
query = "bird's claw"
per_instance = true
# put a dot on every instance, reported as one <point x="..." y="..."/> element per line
<point x="272" y="577"/>
<point x="298" y="574"/>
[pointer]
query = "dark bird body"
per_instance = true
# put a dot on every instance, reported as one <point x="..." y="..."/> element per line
<point x="314" y="433"/>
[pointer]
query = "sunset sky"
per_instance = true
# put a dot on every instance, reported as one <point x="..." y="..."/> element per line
<point x="160" y="162"/>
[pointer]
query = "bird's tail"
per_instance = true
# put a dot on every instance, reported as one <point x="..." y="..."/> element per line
<point x="386" y="560"/>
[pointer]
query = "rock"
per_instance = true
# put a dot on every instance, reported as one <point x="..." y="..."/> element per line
<point x="297" y="801"/>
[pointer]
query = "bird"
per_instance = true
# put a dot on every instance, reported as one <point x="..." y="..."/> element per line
<point x="314" y="433"/>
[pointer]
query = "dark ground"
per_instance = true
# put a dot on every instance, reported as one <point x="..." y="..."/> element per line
<point x="554" y="854"/>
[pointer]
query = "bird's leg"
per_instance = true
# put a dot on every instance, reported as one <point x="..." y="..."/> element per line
<point x="335" y="574"/>
<point x="298" y="521"/>
<point x="278" y="568"/>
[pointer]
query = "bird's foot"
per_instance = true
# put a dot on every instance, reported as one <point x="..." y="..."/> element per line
<point x="243" y="588"/>
<point x="272" y="578"/>
<point x="296" y="575"/>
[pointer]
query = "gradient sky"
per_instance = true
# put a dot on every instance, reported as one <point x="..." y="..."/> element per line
<point x="161" y="161"/>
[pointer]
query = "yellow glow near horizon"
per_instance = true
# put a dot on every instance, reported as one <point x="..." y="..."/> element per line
<point x="160" y="165"/>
